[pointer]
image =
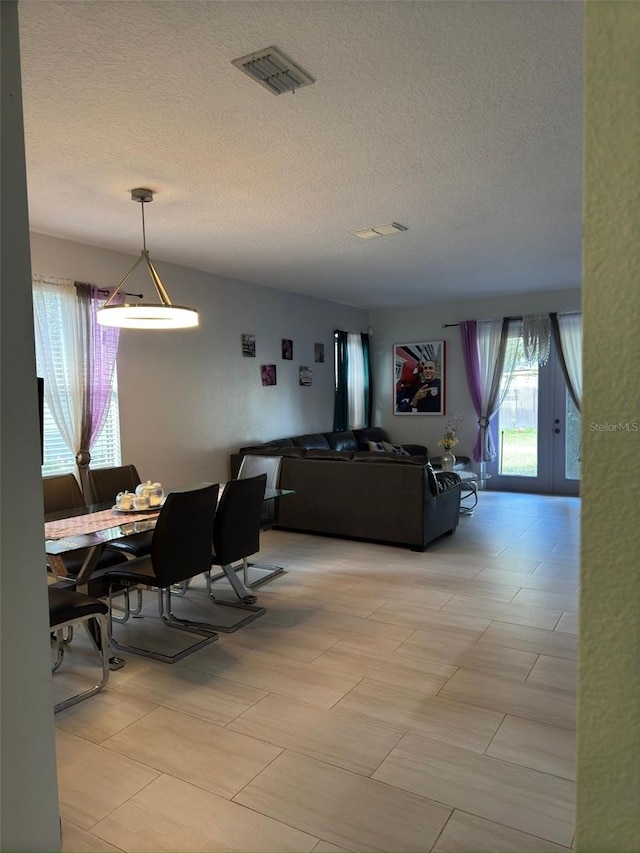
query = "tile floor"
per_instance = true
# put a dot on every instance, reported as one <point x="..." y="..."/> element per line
<point x="388" y="700"/>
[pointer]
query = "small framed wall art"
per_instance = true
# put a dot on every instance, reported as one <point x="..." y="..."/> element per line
<point x="318" y="350"/>
<point x="287" y="349"/>
<point x="268" y="373"/>
<point x="248" y="345"/>
<point x="419" y="382"/>
<point x="305" y="375"/>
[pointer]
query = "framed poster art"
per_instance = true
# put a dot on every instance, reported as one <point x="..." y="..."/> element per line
<point x="268" y="374"/>
<point x="419" y="378"/>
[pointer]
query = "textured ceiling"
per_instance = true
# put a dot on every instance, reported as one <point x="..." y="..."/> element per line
<point x="460" y="120"/>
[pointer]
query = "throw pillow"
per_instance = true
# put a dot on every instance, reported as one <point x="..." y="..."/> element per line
<point x="395" y="448"/>
<point x="376" y="445"/>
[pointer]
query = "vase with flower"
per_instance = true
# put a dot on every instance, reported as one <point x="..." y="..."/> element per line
<point x="447" y="442"/>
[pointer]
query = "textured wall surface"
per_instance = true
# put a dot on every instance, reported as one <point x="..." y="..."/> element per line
<point x="608" y="817"/>
<point x="28" y="784"/>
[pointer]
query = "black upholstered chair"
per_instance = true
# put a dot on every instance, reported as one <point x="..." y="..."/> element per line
<point x="251" y="466"/>
<point x="236" y="536"/>
<point x="61" y="494"/>
<point x="106" y="484"/>
<point x="68" y="608"/>
<point x="180" y="549"/>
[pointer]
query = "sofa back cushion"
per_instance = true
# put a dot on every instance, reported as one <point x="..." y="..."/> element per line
<point x="312" y="441"/>
<point x="342" y="440"/>
<point x="364" y="436"/>
<point x="329" y="455"/>
<point x="374" y="456"/>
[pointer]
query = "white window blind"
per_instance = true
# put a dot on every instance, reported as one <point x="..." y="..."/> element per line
<point x="58" y="459"/>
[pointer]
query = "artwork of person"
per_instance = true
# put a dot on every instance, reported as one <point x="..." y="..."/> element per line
<point x="424" y="393"/>
<point x="268" y="372"/>
<point x="319" y="352"/>
<point x="287" y="349"/>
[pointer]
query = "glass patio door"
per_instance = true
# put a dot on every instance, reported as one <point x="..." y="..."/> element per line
<point x="537" y="433"/>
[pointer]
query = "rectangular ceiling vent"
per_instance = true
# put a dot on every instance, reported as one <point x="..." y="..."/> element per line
<point x="273" y="70"/>
<point x="380" y="231"/>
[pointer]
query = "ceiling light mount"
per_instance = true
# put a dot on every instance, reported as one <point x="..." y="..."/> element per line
<point x="160" y="315"/>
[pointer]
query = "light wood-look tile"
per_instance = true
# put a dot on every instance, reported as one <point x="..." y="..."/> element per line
<point x="486" y="657"/>
<point x="529" y="581"/>
<point x="405" y="671"/>
<point x="538" y="640"/>
<point x="291" y="643"/>
<point x="552" y="600"/>
<point x="76" y="840"/>
<point x="476" y="587"/>
<point x="518" y="797"/>
<point x="568" y="623"/>
<point x="371" y="816"/>
<point x="536" y="745"/>
<point x="194" y="692"/>
<point x="325" y="847"/>
<point x="338" y="738"/>
<point x="354" y="628"/>
<point x="281" y="675"/>
<point x="448" y="622"/>
<point x="339" y="602"/>
<point x="477" y="835"/>
<point x="92" y="781"/>
<point x="516" y="614"/>
<point x="522" y="699"/>
<point x="567" y="570"/>
<point x="555" y="672"/>
<point x="416" y="593"/>
<point x="445" y="719"/>
<point x="172" y="815"/>
<point x="211" y="757"/>
<point x="108" y="713"/>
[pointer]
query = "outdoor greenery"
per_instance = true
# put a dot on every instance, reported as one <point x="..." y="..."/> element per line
<point x="519" y="452"/>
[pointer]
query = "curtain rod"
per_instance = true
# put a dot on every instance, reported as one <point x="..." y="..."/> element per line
<point x="106" y="292"/>
<point x="519" y="317"/>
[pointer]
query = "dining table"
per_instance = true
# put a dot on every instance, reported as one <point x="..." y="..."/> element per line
<point x="93" y="528"/>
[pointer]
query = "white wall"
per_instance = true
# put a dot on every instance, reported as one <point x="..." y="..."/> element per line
<point x="28" y="786"/>
<point x="188" y="398"/>
<point x="408" y="325"/>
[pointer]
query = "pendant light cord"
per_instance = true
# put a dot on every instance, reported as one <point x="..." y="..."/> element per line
<point x="144" y="234"/>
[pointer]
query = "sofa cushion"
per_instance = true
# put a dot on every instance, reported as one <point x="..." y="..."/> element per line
<point x="272" y="447"/>
<point x="342" y="440"/>
<point x="384" y="456"/>
<point x="312" y="441"/>
<point x="364" y="436"/>
<point x="339" y="455"/>
<point x="385" y="446"/>
<point x="270" y="450"/>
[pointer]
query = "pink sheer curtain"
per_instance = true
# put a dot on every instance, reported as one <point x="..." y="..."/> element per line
<point x="98" y="351"/>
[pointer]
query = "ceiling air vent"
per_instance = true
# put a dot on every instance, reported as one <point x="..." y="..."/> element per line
<point x="380" y="231"/>
<point x="273" y="70"/>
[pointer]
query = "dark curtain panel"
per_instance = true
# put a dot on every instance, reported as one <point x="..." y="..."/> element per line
<point x="368" y="381"/>
<point x="341" y="405"/>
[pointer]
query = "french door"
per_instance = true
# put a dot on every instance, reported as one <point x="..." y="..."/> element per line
<point x="537" y="434"/>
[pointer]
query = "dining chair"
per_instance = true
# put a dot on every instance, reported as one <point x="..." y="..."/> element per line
<point x="106" y="484"/>
<point x="68" y="608"/>
<point x="180" y="549"/>
<point x="251" y="466"/>
<point x="61" y="493"/>
<point x="236" y="536"/>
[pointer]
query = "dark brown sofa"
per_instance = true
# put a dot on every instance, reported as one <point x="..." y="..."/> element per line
<point x="342" y="489"/>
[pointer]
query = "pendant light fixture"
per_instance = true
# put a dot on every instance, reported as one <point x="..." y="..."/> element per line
<point x="146" y="315"/>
